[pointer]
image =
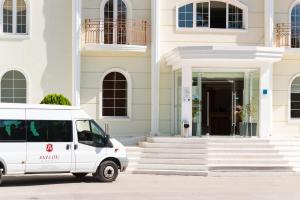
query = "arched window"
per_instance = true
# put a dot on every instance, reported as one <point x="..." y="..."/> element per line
<point x="115" y="21"/>
<point x="295" y="98"/>
<point x="15" y="18"/>
<point x="212" y="14"/>
<point x="13" y="87"/>
<point x="115" y="95"/>
<point x="295" y="26"/>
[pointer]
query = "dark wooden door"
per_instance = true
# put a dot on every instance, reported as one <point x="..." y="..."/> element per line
<point x="217" y="108"/>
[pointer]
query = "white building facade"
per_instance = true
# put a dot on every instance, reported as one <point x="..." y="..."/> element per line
<point x="187" y="68"/>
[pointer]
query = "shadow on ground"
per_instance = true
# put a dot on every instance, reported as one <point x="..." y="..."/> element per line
<point x="23" y="181"/>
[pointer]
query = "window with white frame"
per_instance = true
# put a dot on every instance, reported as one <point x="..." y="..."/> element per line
<point x="13" y="87"/>
<point x="115" y="95"/>
<point x="211" y="14"/>
<point x="115" y="22"/>
<point x="14" y="17"/>
<point x="295" y="99"/>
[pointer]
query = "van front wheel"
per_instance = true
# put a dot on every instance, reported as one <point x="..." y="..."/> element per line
<point x="107" y="172"/>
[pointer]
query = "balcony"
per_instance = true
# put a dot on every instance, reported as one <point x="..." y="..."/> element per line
<point x="116" y="35"/>
<point x="286" y="37"/>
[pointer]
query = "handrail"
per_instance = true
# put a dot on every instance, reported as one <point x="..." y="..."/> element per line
<point x="116" y="31"/>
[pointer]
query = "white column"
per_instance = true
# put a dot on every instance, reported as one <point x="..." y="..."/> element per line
<point x="266" y="101"/>
<point x="187" y="97"/>
<point x="155" y="69"/>
<point x="76" y="59"/>
<point x="269" y="22"/>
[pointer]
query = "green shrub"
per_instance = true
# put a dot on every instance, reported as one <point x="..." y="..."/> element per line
<point x="56" y="99"/>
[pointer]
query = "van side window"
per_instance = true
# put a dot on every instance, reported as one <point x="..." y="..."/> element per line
<point x="89" y="133"/>
<point x="12" y="130"/>
<point x="49" y="131"/>
<point x="60" y="131"/>
<point x="37" y="131"/>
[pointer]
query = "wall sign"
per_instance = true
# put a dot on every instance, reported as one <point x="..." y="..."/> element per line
<point x="186" y="94"/>
<point x="265" y="92"/>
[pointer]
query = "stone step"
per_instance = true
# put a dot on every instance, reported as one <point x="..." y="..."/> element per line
<point x="222" y="155"/>
<point x="173" y="156"/>
<point x="169" y="167"/>
<point x="172" y="145"/>
<point x="241" y="145"/>
<point x="257" y="150"/>
<point x="253" y="173"/>
<point x="168" y="172"/>
<point x="266" y="162"/>
<point x="174" y="150"/>
<point x="177" y="140"/>
<point x="172" y="161"/>
<point x="242" y="151"/>
<point x="249" y="167"/>
<point x="238" y="140"/>
<point x="184" y="156"/>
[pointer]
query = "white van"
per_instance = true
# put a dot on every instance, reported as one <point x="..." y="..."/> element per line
<point x="56" y="139"/>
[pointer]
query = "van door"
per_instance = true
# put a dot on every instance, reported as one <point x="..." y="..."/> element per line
<point x="13" y="145"/>
<point x="90" y="147"/>
<point x="49" y="146"/>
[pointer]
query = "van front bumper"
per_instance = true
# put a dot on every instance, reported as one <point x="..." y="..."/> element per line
<point x="124" y="163"/>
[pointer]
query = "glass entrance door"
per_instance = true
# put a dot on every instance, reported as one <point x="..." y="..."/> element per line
<point x="218" y="107"/>
<point x="225" y="104"/>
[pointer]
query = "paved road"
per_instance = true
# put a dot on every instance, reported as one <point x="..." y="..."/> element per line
<point x="140" y="187"/>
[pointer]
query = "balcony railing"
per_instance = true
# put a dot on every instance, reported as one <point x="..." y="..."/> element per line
<point x="122" y="32"/>
<point x="283" y="35"/>
<point x="286" y="36"/>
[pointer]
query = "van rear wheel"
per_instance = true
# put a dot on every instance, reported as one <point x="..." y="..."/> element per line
<point x="79" y="175"/>
<point x="107" y="172"/>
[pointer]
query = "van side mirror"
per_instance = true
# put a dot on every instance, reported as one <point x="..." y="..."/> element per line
<point x="106" y="139"/>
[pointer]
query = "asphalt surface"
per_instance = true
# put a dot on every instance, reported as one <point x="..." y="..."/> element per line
<point x="139" y="187"/>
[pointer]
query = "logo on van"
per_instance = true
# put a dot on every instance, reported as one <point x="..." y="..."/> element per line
<point x="49" y="148"/>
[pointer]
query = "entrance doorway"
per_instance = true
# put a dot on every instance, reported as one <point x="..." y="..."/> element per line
<point x="225" y="104"/>
<point x="221" y="99"/>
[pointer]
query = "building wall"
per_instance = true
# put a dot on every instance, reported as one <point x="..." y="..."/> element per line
<point x="171" y="38"/>
<point x="283" y="72"/>
<point x="138" y="65"/>
<point x="282" y="11"/>
<point x="46" y="56"/>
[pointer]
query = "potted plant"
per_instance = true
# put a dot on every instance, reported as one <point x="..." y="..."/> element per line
<point x="248" y="127"/>
<point x="196" y="111"/>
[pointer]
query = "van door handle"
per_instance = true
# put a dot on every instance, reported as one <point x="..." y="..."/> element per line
<point x="68" y="147"/>
<point x="75" y="146"/>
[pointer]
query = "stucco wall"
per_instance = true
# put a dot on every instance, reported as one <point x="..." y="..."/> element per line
<point x="282" y="10"/>
<point x="138" y="65"/>
<point x="171" y="38"/>
<point x="283" y="72"/>
<point x="46" y="56"/>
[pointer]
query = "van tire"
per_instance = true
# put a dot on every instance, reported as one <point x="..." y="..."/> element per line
<point x="1" y="176"/>
<point x="79" y="175"/>
<point x="107" y="172"/>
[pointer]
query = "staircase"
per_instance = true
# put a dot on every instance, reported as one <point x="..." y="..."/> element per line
<point x="215" y="156"/>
